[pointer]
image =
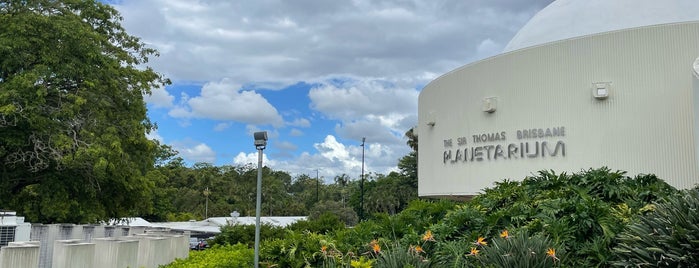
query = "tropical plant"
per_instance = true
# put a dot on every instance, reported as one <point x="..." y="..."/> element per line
<point x="519" y="250"/>
<point x="229" y="256"/>
<point x="667" y="236"/>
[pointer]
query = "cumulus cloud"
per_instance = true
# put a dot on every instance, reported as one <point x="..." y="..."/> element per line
<point x="225" y="101"/>
<point x="195" y="152"/>
<point x="159" y="97"/>
<point x="243" y="159"/>
<point x="354" y="98"/>
<point x="279" y="41"/>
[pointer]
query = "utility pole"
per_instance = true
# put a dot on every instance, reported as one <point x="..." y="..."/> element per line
<point x="206" y="209"/>
<point x="317" y="186"/>
<point x="361" y="186"/>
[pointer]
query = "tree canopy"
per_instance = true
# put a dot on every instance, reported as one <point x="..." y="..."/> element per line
<point x="72" y="114"/>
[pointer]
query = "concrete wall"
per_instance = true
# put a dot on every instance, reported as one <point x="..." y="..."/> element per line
<point x="645" y="125"/>
<point x="116" y="252"/>
<point x="67" y="245"/>
<point x="74" y="254"/>
<point x="20" y="254"/>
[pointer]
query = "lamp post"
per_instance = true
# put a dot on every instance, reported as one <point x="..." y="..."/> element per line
<point x="361" y="186"/>
<point x="260" y="143"/>
<point x="206" y="209"/>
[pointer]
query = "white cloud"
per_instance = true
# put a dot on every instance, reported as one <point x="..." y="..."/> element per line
<point x="279" y="41"/>
<point x="159" y="97"/>
<point x="355" y="98"/>
<point x="225" y="101"/>
<point x="195" y="152"/>
<point x="251" y="159"/>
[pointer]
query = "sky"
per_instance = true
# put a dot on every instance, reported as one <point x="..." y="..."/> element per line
<point x="317" y="75"/>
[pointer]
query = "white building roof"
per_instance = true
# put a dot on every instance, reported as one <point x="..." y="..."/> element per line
<point x="211" y="225"/>
<point x="564" y="19"/>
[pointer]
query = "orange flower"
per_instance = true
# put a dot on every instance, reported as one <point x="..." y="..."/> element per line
<point x="418" y="249"/>
<point x="505" y="234"/>
<point x="376" y="248"/>
<point x="324" y="249"/>
<point x="474" y="252"/>
<point x="551" y="253"/>
<point x="481" y="241"/>
<point x="428" y="236"/>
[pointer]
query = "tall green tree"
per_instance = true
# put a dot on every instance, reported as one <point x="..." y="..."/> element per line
<point x="72" y="115"/>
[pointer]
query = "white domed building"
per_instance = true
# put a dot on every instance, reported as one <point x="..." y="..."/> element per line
<point x="584" y="84"/>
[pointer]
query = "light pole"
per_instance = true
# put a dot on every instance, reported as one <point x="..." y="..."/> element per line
<point x="260" y="143"/>
<point x="317" y="186"/>
<point x="361" y="186"/>
<point x="206" y="209"/>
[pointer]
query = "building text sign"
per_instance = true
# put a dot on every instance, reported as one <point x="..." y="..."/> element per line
<point x="521" y="144"/>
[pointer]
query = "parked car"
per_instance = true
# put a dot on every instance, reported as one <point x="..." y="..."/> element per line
<point x="197" y="244"/>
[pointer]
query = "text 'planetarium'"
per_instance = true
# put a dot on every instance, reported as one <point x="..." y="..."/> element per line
<point x="584" y="84"/>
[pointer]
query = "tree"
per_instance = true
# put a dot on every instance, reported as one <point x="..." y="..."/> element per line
<point x="72" y="115"/>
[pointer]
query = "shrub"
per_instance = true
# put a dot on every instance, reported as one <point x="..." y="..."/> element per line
<point x="235" y="256"/>
<point x="665" y="237"/>
<point x="245" y="234"/>
<point x="323" y="224"/>
<point x="519" y="250"/>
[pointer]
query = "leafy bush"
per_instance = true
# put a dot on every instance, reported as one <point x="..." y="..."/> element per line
<point x="245" y="234"/>
<point x="235" y="256"/>
<point x="665" y="237"/>
<point x="345" y="214"/>
<point x="297" y="249"/>
<point x="323" y="224"/>
<point x="519" y="250"/>
<point x="582" y="212"/>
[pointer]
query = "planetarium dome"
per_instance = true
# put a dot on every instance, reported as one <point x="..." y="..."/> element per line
<point x="564" y="19"/>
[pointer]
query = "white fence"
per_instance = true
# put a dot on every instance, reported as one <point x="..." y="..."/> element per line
<point x="75" y="246"/>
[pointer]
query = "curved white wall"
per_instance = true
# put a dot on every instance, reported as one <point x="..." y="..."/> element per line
<point x="644" y="126"/>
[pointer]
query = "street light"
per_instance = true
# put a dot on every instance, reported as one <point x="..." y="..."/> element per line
<point x="317" y="186"/>
<point x="361" y="186"/>
<point x="260" y="143"/>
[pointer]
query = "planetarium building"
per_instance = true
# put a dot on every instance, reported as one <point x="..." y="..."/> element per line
<point x="584" y="84"/>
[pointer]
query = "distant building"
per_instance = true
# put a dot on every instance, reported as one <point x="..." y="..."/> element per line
<point x="584" y="84"/>
<point x="13" y="228"/>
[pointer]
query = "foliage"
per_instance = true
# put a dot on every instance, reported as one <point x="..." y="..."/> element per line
<point x="345" y="214"/>
<point x="72" y="116"/>
<point x="519" y="250"/>
<point x="229" y="256"/>
<point x="245" y="234"/>
<point x="582" y="212"/>
<point x="400" y="256"/>
<point x="667" y="236"/>
<point x="297" y="249"/>
<point x="323" y="224"/>
<point x="567" y="220"/>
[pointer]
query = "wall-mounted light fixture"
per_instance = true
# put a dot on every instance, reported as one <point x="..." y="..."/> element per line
<point x="600" y="90"/>
<point x="431" y="119"/>
<point x="490" y="104"/>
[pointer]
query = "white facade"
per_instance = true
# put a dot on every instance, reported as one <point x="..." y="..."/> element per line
<point x="622" y="99"/>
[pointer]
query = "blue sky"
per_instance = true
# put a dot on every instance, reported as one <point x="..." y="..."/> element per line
<point x="316" y="75"/>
